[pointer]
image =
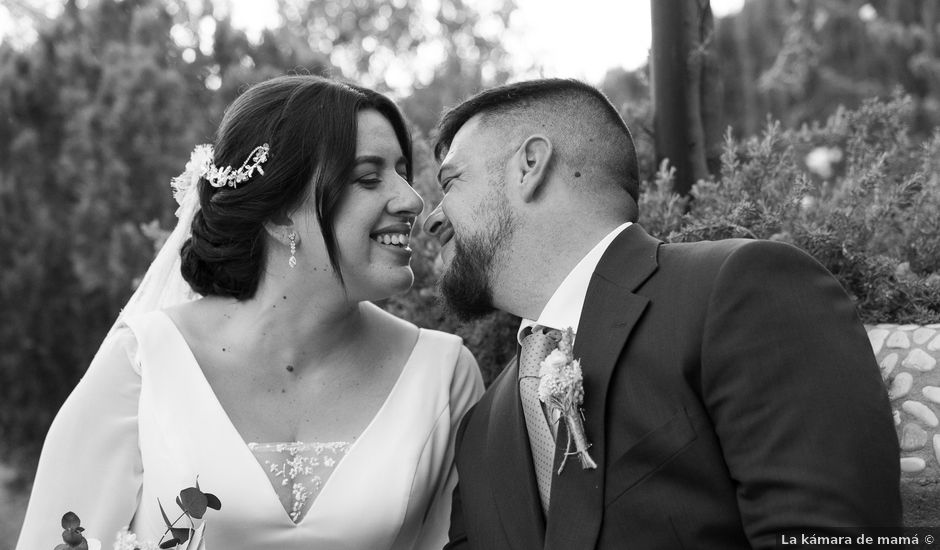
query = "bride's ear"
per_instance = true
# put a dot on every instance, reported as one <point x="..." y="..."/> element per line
<point x="281" y="231"/>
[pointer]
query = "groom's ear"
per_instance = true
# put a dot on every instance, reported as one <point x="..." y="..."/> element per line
<point x="532" y="163"/>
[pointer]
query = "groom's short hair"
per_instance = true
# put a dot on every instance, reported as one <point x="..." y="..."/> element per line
<point x="584" y="118"/>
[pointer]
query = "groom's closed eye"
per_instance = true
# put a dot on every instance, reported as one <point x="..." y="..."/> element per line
<point x="446" y="184"/>
<point x="447" y="178"/>
<point x="445" y="175"/>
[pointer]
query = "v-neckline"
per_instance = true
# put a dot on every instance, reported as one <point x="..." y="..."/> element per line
<point x="246" y="452"/>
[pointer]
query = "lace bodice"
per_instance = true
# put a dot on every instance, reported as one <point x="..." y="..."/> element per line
<point x="305" y="466"/>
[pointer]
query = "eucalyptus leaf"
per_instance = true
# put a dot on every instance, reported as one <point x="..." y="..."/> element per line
<point x="181" y="533"/>
<point x="70" y="520"/>
<point x="193" y="502"/>
<point x="163" y="513"/>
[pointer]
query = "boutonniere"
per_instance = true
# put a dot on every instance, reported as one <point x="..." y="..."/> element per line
<point x="561" y="388"/>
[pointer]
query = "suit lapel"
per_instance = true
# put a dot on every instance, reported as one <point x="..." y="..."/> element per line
<point x="509" y="460"/>
<point x="610" y="312"/>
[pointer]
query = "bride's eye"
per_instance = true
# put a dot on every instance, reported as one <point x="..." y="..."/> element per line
<point x="369" y="180"/>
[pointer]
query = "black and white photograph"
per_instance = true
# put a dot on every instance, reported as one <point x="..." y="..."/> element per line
<point x="469" y="274"/>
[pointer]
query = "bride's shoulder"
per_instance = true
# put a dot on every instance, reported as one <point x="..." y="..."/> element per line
<point x="192" y="318"/>
<point x="186" y="311"/>
<point x="393" y="326"/>
<point x="441" y="345"/>
<point x="443" y="355"/>
<point x="389" y="325"/>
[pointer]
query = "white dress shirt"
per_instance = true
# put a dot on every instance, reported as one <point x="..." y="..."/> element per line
<point x="563" y="309"/>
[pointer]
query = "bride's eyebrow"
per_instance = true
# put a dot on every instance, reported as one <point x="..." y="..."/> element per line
<point x="380" y="161"/>
<point x="370" y="159"/>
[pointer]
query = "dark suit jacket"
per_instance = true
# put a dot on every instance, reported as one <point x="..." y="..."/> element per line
<point x="730" y="394"/>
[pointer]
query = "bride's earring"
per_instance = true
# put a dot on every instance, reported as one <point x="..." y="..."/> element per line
<point x="292" y="261"/>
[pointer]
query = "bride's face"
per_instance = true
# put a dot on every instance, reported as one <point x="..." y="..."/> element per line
<point x="375" y="217"/>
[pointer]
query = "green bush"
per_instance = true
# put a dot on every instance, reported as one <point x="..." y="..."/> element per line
<point x="855" y="192"/>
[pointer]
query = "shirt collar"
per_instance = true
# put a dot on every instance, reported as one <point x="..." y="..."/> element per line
<point x="563" y="309"/>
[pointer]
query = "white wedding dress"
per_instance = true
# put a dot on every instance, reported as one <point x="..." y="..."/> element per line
<point x="143" y="423"/>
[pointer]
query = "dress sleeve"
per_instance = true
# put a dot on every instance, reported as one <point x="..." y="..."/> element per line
<point x="90" y="462"/>
<point x="466" y="389"/>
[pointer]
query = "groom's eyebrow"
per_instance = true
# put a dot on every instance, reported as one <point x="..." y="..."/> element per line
<point x="444" y="172"/>
<point x="446" y="168"/>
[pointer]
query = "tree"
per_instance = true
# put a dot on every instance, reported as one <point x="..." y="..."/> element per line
<point x="686" y="90"/>
<point x="799" y="60"/>
<point x="105" y="107"/>
<point x="97" y="110"/>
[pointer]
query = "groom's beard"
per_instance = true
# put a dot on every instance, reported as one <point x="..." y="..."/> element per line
<point x="466" y="285"/>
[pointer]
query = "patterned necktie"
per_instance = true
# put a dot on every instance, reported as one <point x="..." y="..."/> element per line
<point x="535" y="348"/>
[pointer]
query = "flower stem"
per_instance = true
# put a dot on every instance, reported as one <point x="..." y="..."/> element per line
<point x="576" y="430"/>
<point x="179" y="517"/>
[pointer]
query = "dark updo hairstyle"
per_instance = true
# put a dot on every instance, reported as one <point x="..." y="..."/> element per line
<point x="311" y="125"/>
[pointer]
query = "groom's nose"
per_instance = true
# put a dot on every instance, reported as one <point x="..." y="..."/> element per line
<point x="438" y="226"/>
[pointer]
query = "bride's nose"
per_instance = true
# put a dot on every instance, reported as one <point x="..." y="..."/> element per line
<point x="406" y="200"/>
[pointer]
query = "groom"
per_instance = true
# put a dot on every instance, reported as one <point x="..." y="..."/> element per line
<point x="730" y="393"/>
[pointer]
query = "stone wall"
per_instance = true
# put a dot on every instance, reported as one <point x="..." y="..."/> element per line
<point x="908" y="356"/>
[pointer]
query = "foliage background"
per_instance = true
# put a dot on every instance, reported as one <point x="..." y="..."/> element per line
<point x="104" y="107"/>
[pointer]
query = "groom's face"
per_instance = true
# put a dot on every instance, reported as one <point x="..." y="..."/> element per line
<point x="473" y="222"/>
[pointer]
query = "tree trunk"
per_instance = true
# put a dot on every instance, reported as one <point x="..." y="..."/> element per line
<point x="686" y="90"/>
<point x="747" y="83"/>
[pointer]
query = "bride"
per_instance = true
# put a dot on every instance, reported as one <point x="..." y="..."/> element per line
<point x="319" y="420"/>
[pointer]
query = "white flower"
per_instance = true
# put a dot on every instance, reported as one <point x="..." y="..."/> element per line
<point x="822" y="161"/>
<point x="555" y="361"/>
<point x="552" y="376"/>
<point x="561" y="388"/>
<point x="575" y="381"/>
<point x="126" y="540"/>
<point x="200" y="162"/>
<point x="548" y="386"/>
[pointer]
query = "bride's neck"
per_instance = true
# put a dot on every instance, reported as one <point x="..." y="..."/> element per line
<point x="294" y="324"/>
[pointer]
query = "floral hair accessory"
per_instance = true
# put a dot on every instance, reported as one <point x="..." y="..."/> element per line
<point x="561" y="388"/>
<point x="202" y="165"/>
